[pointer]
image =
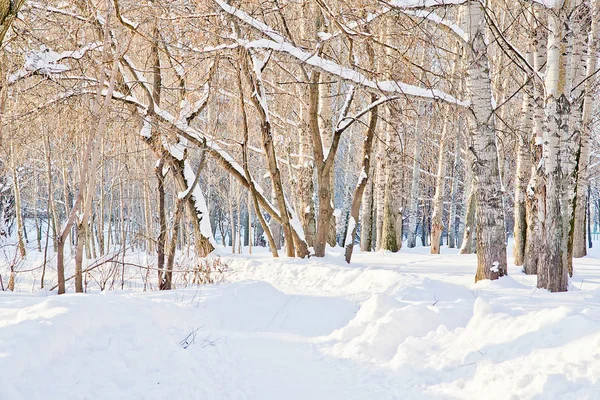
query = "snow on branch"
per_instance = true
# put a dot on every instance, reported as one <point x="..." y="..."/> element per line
<point x="424" y="3"/>
<point x="278" y="43"/>
<point x="50" y="9"/>
<point x="48" y="62"/>
<point x="247" y="19"/>
<point x="548" y="3"/>
<point x="350" y="75"/>
<point x="345" y="122"/>
<point x="199" y="203"/>
<point x="435" y="18"/>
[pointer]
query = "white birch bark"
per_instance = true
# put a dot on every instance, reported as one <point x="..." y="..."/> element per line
<point x="576" y="58"/>
<point x="552" y="269"/>
<point x="452" y="218"/>
<point x="579" y="234"/>
<point x="491" y="248"/>
<point x="379" y="193"/>
<point x="535" y="187"/>
<point x="366" y="228"/>
<point x="522" y="173"/>
<point x="392" y="214"/>
<point x="413" y="212"/>
<point x="437" y="226"/>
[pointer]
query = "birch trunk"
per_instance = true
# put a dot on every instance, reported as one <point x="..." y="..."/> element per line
<point x="366" y="228"/>
<point x="306" y="188"/>
<point x="552" y="270"/>
<point x="437" y="226"/>
<point x="577" y="34"/>
<point x="379" y="193"/>
<point x="536" y="188"/>
<point x="392" y="213"/>
<point x="453" y="218"/>
<point x="161" y="240"/>
<point x="523" y="170"/>
<point x="17" y="194"/>
<point x="579" y="234"/>
<point x="413" y="213"/>
<point x="491" y="247"/>
<point x="467" y="245"/>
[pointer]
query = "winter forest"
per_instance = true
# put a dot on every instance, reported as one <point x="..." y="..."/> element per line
<point x="300" y="199"/>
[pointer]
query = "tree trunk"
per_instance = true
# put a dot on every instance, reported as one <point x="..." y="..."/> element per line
<point x="579" y="234"/>
<point x="379" y="193"/>
<point x="362" y="183"/>
<point x="392" y="193"/>
<point x="259" y="100"/>
<point x="17" y="194"/>
<point x="552" y="271"/>
<point x="491" y="247"/>
<point x="470" y="205"/>
<point x="166" y="281"/>
<point x="366" y="230"/>
<point x="523" y="170"/>
<point x="162" y="220"/>
<point x="87" y="172"/>
<point x="252" y="188"/>
<point x="536" y="191"/>
<point x="576" y="59"/>
<point x="452" y="218"/>
<point x="437" y="226"/>
<point x="413" y="213"/>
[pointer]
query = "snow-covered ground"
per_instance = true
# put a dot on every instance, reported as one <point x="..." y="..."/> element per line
<point x="390" y="326"/>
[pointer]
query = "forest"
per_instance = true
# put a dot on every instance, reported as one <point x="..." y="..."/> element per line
<point x="198" y="145"/>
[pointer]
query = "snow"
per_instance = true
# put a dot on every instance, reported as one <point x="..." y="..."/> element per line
<point x="495" y="267"/>
<point x="324" y="36"/>
<point x="549" y="3"/>
<point x="146" y="130"/>
<point x="362" y="176"/>
<point x="199" y="202"/>
<point x="390" y="326"/>
<point x="47" y="62"/>
<point x="350" y="234"/>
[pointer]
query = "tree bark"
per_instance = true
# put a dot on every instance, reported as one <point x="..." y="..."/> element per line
<point x="413" y="213"/>
<point x="536" y="191"/>
<point x="392" y="213"/>
<point x="523" y="170"/>
<point x="452" y="218"/>
<point x="552" y="270"/>
<point x="259" y="101"/>
<point x="491" y="247"/>
<point x="362" y="183"/>
<point x="161" y="240"/>
<point x="579" y="234"/>
<point x="366" y="222"/>
<point x="437" y="226"/>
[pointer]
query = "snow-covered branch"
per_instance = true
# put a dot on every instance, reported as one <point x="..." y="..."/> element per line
<point x="48" y="62"/>
<point x="437" y="19"/>
<point x="278" y="43"/>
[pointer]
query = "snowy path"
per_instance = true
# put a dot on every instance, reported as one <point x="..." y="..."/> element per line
<point x="390" y="326"/>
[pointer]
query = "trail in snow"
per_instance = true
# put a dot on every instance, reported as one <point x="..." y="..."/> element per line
<point x="389" y="326"/>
